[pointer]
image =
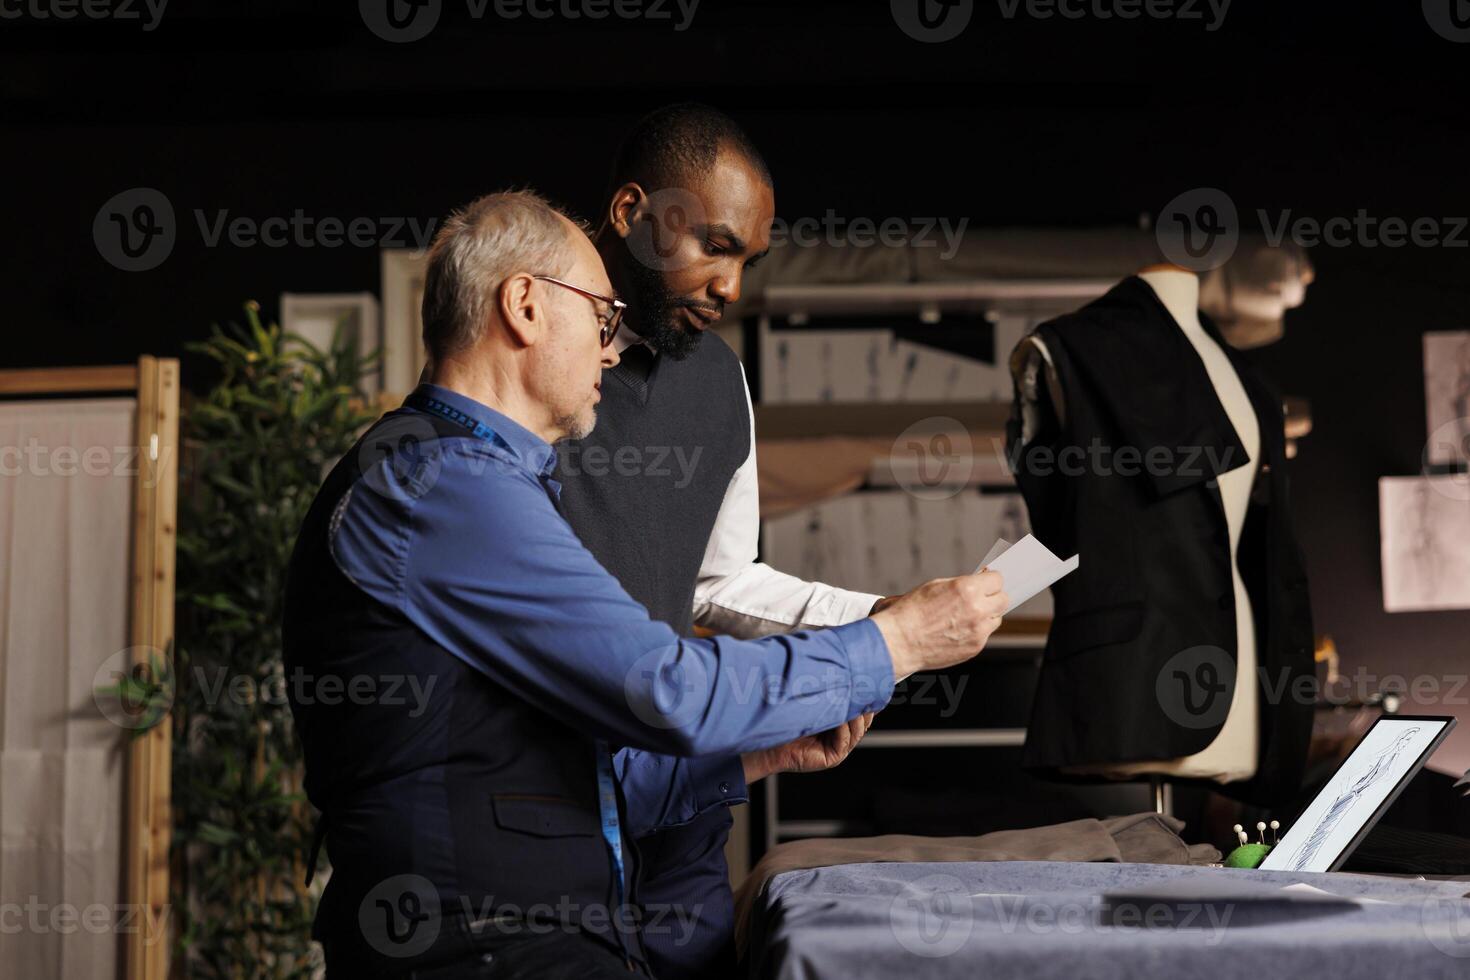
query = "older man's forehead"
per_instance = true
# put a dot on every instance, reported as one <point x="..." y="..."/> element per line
<point x="586" y="261"/>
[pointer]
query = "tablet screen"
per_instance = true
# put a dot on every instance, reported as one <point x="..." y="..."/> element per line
<point x="1391" y="751"/>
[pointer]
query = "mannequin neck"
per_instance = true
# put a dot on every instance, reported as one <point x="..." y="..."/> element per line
<point x="1178" y="290"/>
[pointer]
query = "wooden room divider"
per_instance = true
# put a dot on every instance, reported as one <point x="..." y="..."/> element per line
<point x="153" y="386"/>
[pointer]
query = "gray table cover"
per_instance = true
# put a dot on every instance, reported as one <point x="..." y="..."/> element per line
<point x="1068" y="921"/>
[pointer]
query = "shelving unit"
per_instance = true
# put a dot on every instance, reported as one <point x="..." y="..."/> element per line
<point x="1012" y="305"/>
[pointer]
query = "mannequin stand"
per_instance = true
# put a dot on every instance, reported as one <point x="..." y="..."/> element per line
<point x="1163" y="793"/>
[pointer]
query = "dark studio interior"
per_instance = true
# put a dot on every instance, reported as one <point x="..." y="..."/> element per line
<point x="270" y="156"/>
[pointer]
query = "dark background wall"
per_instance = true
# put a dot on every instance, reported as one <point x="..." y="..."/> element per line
<point x="264" y="108"/>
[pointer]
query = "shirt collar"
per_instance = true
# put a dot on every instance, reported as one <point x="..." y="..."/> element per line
<point x="627" y="337"/>
<point x="535" y="451"/>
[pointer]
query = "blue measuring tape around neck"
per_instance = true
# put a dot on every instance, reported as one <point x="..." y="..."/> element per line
<point x="607" y="792"/>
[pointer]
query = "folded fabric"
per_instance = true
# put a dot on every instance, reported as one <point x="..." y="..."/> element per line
<point x="1141" y="838"/>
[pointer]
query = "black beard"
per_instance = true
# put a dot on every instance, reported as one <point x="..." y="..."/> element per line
<point x="653" y="313"/>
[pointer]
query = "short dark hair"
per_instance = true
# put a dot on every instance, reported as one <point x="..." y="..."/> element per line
<point x="670" y="145"/>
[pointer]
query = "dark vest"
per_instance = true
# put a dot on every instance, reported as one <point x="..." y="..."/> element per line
<point x="1140" y="661"/>
<point x="644" y="489"/>
<point x="490" y="800"/>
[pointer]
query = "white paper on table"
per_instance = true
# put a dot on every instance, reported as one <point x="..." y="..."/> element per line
<point x="1027" y="567"/>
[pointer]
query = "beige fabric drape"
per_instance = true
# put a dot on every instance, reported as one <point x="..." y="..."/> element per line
<point x="66" y="472"/>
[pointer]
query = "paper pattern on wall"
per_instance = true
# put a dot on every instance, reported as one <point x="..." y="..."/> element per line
<point x="1425" y="528"/>
<point x="1447" y="396"/>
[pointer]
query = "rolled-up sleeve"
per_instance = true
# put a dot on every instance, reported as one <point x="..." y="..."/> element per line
<point x="738" y="595"/>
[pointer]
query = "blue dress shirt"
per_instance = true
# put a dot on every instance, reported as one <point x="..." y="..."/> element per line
<point x="475" y="554"/>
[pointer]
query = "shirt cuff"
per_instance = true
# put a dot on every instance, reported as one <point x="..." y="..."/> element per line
<point x="718" y="782"/>
<point x="869" y="666"/>
<point x="842" y="606"/>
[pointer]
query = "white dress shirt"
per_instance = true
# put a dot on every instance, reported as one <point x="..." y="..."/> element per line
<point x="735" y="595"/>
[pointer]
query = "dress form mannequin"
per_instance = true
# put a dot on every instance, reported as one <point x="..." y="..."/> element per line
<point x="1232" y="756"/>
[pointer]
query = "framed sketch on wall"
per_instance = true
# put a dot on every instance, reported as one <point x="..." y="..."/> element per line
<point x="1447" y="397"/>
<point x="1425" y="522"/>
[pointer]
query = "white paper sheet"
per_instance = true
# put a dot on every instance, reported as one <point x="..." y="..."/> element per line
<point x="1027" y="567"/>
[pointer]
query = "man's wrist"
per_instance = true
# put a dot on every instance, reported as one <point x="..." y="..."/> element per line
<point x="757" y="765"/>
<point x="898" y="646"/>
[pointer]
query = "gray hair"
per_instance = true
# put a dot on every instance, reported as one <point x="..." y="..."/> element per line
<point x="477" y="248"/>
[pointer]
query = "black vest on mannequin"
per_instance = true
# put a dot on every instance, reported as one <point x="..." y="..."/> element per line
<point x="1140" y="661"/>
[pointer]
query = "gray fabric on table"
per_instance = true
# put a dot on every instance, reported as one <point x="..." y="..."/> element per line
<point x="1044" y="920"/>
<point x="1140" y="838"/>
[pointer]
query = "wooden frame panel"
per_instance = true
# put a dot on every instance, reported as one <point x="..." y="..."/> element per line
<point x="154" y="382"/>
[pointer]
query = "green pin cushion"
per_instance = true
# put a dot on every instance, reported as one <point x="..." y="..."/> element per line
<point x="1248" y="856"/>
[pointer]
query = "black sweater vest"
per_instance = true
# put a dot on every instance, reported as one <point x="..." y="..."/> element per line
<point x="643" y="490"/>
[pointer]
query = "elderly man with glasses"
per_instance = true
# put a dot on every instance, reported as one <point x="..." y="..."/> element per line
<point x="480" y="830"/>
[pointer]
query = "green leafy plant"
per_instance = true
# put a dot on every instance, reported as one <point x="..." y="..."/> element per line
<point x="256" y="447"/>
<point x="144" y="694"/>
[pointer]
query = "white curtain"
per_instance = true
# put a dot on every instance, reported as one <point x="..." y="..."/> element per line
<point x="66" y="481"/>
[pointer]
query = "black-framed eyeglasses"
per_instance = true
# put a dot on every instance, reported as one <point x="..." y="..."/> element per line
<point x="609" y="322"/>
